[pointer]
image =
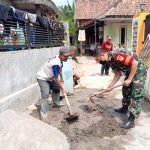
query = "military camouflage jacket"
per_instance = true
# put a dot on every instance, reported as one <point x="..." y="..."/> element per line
<point x="122" y="59"/>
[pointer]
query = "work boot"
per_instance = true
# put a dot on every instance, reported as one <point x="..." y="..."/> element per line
<point x="62" y="97"/>
<point x="44" y="108"/>
<point x="75" y="83"/>
<point x="56" y="99"/>
<point x="122" y="110"/>
<point x="130" y="123"/>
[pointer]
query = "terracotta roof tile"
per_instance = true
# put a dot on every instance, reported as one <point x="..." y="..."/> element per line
<point x="85" y="8"/>
<point x="127" y="8"/>
<point x="89" y="9"/>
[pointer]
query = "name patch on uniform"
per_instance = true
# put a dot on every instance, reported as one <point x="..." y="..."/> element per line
<point x="127" y="60"/>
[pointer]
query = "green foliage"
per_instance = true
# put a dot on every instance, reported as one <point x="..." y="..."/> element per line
<point x="67" y="14"/>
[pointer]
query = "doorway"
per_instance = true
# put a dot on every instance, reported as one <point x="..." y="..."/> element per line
<point x="123" y="35"/>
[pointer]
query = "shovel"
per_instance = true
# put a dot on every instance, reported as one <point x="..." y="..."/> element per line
<point x="99" y="95"/>
<point x="71" y="116"/>
<point x="105" y="91"/>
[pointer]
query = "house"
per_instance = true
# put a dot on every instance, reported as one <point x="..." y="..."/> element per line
<point x="111" y="17"/>
<point x="86" y="13"/>
<point x="118" y="21"/>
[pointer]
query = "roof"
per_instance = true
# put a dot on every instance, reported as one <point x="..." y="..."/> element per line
<point x="90" y="9"/>
<point x="126" y="8"/>
<point x="87" y="24"/>
<point x="108" y="8"/>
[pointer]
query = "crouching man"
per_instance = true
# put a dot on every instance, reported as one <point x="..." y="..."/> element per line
<point x="135" y="70"/>
<point x="48" y="79"/>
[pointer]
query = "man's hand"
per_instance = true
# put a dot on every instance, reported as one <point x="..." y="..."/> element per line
<point x="63" y="91"/>
<point x="61" y="80"/>
<point x="115" y="79"/>
<point x="109" y="87"/>
<point x="127" y="82"/>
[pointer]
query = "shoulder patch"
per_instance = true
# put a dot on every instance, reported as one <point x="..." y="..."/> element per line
<point x="120" y="58"/>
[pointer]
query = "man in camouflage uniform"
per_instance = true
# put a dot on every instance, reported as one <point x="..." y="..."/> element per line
<point x="135" y="70"/>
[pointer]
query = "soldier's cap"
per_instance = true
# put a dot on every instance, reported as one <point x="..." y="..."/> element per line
<point x="64" y="50"/>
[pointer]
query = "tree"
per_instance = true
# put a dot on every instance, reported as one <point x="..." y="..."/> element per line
<point x="67" y="14"/>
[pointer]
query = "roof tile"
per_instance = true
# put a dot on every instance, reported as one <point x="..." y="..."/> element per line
<point x="90" y="9"/>
<point x="128" y="8"/>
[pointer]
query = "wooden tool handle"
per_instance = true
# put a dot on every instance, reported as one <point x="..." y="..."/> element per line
<point x="68" y="104"/>
<point x="105" y="91"/>
<point x="117" y="86"/>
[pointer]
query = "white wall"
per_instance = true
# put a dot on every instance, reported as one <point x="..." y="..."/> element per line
<point x="147" y="91"/>
<point x="18" y="87"/>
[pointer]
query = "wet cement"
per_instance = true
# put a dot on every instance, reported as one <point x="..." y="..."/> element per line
<point x="96" y="121"/>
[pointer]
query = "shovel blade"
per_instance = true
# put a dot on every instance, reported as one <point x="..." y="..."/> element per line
<point x="72" y="117"/>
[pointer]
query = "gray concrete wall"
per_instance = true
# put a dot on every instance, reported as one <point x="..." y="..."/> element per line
<point x="46" y="3"/>
<point x="5" y="2"/>
<point x="18" y="76"/>
<point x="147" y="91"/>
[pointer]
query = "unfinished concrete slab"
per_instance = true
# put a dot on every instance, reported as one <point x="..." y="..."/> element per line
<point x="22" y="132"/>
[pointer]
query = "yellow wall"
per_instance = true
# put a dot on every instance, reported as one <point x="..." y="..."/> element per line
<point x="141" y="34"/>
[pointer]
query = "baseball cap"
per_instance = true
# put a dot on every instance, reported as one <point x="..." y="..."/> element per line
<point x="109" y="37"/>
<point x="64" y="50"/>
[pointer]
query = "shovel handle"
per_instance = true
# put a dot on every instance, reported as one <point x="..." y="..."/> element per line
<point x="117" y="86"/>
<point x="111" y="89"/>
<point x="68" y="104"/>
<point x="104" y="91"/>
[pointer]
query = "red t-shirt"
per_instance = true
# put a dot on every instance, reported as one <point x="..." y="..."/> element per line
<point x="107" y="46"/>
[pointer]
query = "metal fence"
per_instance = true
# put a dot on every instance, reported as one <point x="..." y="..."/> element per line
<point x="145" y="54"/>
<point x="20" y="34"/>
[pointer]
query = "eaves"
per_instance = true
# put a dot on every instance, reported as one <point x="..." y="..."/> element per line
<point x="47" y="3"/>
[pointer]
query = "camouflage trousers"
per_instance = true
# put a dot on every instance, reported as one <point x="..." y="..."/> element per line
<point x="133" y="95"/>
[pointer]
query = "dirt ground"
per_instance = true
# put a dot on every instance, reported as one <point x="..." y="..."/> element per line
<point x="96" y="120"/>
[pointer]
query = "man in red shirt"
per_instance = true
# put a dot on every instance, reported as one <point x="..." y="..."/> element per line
<point x="107" y="46"/>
